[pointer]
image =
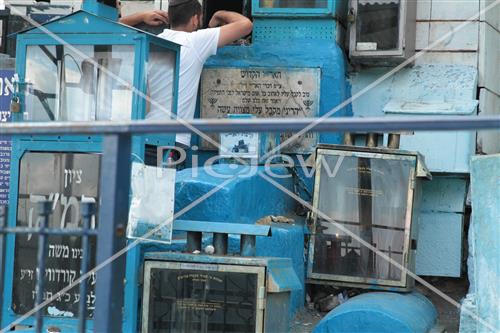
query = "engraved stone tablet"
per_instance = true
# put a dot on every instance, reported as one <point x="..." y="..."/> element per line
<point x="263" y="92"/>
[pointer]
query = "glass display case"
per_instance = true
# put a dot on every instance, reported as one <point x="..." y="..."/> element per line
<point x="293" y="8"/>
<point x="191" y="293"/>
<point x="20" y="15"/>
<point x="187" y="297"/>
<point x="382" y="31"/>
<point x="79" y="82"/>
<point x="365" y="202"/>
<point x="293" y="4"/>
<point x="96" y="75"/>
<point x="78" y="68"/>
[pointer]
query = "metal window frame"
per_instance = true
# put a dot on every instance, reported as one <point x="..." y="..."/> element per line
<point x="259" y="11"/>
<point x="8" y="315"/>
<point x="259" y="271"/>
<point x="406" y="32"/>
<point x="352" y="280"/>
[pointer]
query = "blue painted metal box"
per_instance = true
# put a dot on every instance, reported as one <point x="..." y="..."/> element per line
<point x="217" y="293"/>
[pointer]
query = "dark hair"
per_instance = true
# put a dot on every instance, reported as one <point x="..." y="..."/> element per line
<point x="181" y="14"/>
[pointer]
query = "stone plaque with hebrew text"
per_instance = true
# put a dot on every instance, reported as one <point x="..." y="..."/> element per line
<point x="263" y="92"/>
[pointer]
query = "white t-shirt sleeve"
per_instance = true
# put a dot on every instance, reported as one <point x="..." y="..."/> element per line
<point x="205" y="42"/>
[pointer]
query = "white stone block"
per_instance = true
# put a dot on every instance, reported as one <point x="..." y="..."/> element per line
<point x="451" y="39"/>
<point x="422" y="38"/>
<point x="424" y="9"/>
<point x="492" y="14"/>
<point x="454" y="10"/>
<point x="453" y="58"/>
<point x="488" y="142"/>
<point x="489" y="58"/>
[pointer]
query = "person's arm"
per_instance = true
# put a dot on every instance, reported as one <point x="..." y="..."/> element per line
<point x="153" y="18"/>
<point x="233" y="26"/>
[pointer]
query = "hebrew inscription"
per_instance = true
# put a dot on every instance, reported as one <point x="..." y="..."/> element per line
<point x="66" y="179"/>
<point x="263" y="92"/>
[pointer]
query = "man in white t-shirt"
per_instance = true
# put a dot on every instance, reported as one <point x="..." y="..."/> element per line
<point x="185" y="17"/>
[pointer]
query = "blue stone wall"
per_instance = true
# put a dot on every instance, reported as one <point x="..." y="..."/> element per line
<point x="245" y="199"/>
<point x="484" y="247"/>
<point x="440" y="230"/>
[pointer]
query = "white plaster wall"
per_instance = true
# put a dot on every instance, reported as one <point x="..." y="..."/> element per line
<point x="435" y="19"/>
<point x="477" y="44"/>
<point x="489" y="58"/>
<point x="131" y="7"/>
<point x="489" y="74"/>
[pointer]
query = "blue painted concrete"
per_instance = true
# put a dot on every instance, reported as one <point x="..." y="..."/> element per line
<point x="484" y="246"/>
<point x="245" y="199"/>
<point x="287" y="242"/>
<point x="381" y="312"/>
<point x="426" y="89"/>
<point x="439" y="250"/>
<point x="440" y="229"/>
<point x="444" y="194"/>
<point x="297" y="51"/>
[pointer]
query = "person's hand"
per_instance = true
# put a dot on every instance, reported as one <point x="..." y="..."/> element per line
<point x="155" y="17"/>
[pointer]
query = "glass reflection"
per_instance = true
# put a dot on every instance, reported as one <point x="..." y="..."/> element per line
<point x="79" y="82"/>
<point x="293" y="3"/>
<point x="198" y="301"/>
<point x="160" y="83"/>
<point x="377" y="25"/>
<point x="368" y="197"/>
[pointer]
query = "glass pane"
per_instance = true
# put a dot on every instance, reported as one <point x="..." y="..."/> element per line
<point x="293" y="3"/>
<point x="23" y="13"/>
<point x="377" y="25"/>
<point x="79" y="83"/>
<point x="65" y="179"/>
<point x="161" y="67"/>
<point x="194" y="301"/>
<point x="367" y="196"/>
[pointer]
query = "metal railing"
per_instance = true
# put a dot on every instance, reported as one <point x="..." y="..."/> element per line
<point x="372" y="124"/>
<point x="115" y="185"/>
<point x="44" y="211"/>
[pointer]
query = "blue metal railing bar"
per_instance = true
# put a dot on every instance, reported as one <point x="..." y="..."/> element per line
<point x="44" y="211"/>
<point x="88" y="210"/>
<point x="372" y="124"/>
<point x="115" y="185"/>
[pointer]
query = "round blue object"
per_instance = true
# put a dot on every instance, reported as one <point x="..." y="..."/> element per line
<point x="378" y="312"/>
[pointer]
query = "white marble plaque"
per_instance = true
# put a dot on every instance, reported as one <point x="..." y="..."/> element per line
<point x="263" y="92"/>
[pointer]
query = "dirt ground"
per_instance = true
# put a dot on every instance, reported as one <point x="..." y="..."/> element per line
<point x="448" y="314"/>
<point x="306" y="320"/>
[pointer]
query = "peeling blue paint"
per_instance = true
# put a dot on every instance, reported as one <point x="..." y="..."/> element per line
<point x="244" y="200"/>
